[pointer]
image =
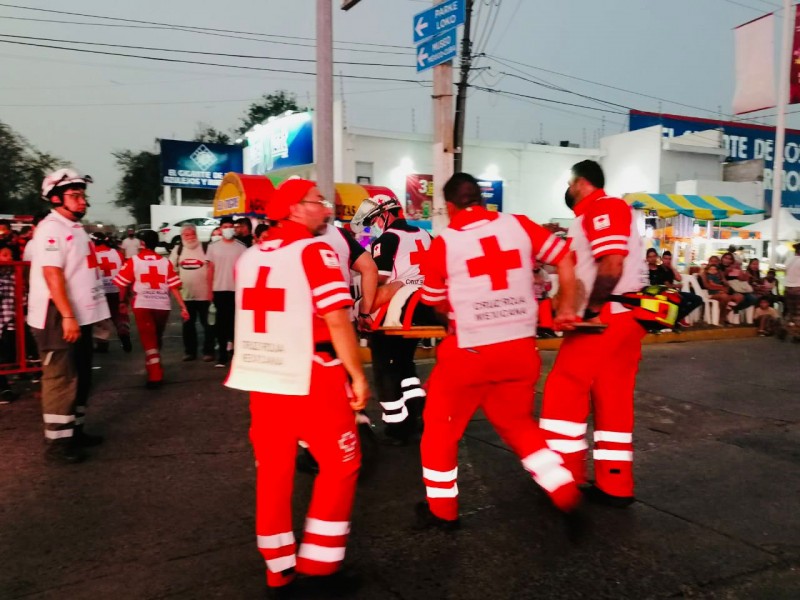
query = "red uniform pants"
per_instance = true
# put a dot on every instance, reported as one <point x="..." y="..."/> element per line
<point x="545" y="319"/>
<point x="599" y="369"/>
<point x="500" y="379"/>
<point x="324" y="420"/>
<point x="150" y="323"/>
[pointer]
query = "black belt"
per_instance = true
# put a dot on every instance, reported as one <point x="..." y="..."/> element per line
<point x="326" y="347"/>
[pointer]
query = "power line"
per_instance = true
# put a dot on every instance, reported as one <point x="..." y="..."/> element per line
<point x="177" y="51"/>
<point x="195" y="28"/>
<point x="505" y="92"/>
<point x="193" y="62"/>
<point x="564" y="90"/>
<point x="619" y="89"/>
<point x="209" y="33"/>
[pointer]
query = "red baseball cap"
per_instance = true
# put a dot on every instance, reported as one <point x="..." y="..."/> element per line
<point x="289" y="193"/>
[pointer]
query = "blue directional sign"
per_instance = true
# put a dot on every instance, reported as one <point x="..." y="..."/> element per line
<point x="434" y="52"/>
<point x="438" y="19"/>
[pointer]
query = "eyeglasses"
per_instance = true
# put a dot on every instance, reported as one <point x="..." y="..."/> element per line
<point x="324" y="203"/>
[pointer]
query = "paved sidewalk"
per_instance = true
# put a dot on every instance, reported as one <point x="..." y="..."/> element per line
<point x="165" y="508"/>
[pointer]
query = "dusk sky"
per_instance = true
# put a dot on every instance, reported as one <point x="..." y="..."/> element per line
<point x="674" y="57"/>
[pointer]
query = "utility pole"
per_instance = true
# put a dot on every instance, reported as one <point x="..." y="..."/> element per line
<point x="461" y="100"/>
<point x="324" y="125"/>
<point x="442" y="138"/>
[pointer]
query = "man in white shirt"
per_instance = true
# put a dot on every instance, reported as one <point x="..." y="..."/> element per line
<point x="131" y="244"/>
<point x="66" y="298"/>
<point x="191" y="264"/>
<point x="792" y="291"/>
<point x="222" y="257"/>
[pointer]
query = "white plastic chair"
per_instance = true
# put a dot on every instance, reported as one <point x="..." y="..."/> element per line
<point x="711" y="310"/>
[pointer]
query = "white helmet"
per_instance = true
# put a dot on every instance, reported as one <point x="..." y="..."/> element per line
<point x="371" y="209"/>
<point x="60" y="178"/>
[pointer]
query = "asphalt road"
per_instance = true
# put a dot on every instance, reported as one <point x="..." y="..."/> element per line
<point x="164" y="509"/>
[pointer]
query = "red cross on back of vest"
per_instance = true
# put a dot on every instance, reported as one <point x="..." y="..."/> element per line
<point x="415" y="257"/>
<point x="106" y="266"/>
<point x="261" y="300"/>
<point x="153" y="278"/>
<point x="495" y="262"/>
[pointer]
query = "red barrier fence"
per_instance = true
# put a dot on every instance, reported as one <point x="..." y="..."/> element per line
<point x="19" y="363"/>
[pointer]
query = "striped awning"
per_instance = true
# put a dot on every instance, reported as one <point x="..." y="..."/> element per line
<point x="706" y="208"/>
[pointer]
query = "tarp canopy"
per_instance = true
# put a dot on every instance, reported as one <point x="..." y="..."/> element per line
<point x="788" y="227"/>
<point x="242" y="195"/>
<point x="249" y="195"/>
<point x="705" y="208"/>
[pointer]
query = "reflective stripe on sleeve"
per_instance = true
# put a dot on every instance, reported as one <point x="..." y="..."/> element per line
<point x="393" y="405"/>
<point x="329" y="287"/>
<point x="341" y="297"/>
<point x="409" y="381"/>
<point x="413" y="393"/>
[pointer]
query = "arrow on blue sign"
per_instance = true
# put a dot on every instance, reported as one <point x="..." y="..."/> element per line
<point x="434" y="52"/>
<point x="438" y="19"/>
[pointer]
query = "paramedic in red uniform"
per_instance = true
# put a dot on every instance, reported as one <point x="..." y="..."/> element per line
<point x="397" y="252"/>
<point x="295" y="346"/>
<point x="479" y="270"/>
<point x="109" y="263"/>
<point x="153" y="279"/>
<point x="599" y="368"/>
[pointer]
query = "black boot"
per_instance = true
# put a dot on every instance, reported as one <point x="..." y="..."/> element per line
<point x="427" y="520"/>
<point x="101" y="347"/>
<point x="597" y="496"/>
<point x="64" y="451"/>
<point x="126" y="343"/>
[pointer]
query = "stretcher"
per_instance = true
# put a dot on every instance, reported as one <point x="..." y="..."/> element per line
<point x="415" y="331"/>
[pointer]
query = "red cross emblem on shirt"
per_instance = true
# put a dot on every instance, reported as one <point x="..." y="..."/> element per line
<point x="106" y="266"/>
<point x="415" y="257"/>
<point x="261" y="300"/>
<point x="153" y="278"/>
<point x="495" y="263"/>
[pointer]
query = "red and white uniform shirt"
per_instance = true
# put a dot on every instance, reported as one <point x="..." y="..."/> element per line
<point x="399" y="252"/>
<point x="603" y="226"/>
<point x="482" y="265"/>
<point x="109" y="263"/>
<point x="152" y="277"/>
<point x="284" y="287"/>
<point x="59" y="242"/>
<point x="346" y="247"/>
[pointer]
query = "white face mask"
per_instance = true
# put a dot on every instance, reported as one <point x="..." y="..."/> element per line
<point x="228" y="233"/>
<point x="216" y="238"/>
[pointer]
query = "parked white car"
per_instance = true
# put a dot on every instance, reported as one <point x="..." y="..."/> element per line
<point x="171" y="234"/>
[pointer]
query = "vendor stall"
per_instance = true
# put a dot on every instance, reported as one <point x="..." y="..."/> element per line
<point x="684" y="224"/>
<point x="242" y="195"/>
<point x="248" y="195"/>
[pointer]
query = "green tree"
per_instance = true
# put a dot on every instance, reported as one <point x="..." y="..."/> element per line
<point x="208" y="134"/>
<point x="24" y="168"/>
<point x="270" y="105"/>
<point x="140" y="185"/>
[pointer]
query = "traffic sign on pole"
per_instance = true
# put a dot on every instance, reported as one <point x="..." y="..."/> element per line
<point x="434" y="52"/>
<point x="438" y="19"/>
